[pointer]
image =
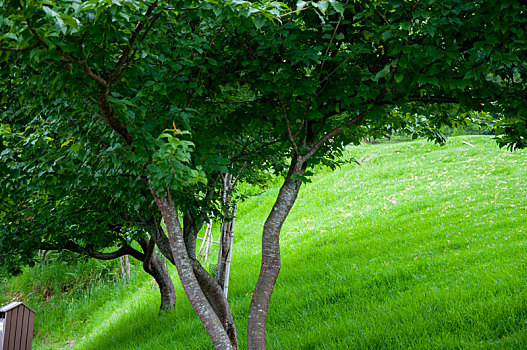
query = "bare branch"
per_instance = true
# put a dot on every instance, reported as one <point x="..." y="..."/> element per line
<point x="121" y="73"/>
<point x="330" y="42"/>
<point x="18" y="49"/>
<point x="382" y="16"/>
<point x="287" y="123"/>
<point x="181" y="9"/>
<point x="84" y="65"/>
<point x="434" y="99"/>
<point x="248" y="48"/>
<point x="231" y="187"/>
<point x="332" y="133"/>
<point x="124" y="250"/>
<point x="296" y="11"/>
<point x="152" y="20"/>
<point x="231" y="102"/>
<point x="241" y="154"/>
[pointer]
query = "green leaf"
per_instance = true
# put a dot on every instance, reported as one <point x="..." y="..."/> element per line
<point x="398" y="77"/>
<point x="212" y="61"/>
<point x="337" y="6"/>
<point x="10" y="36"/>
<point x="259" y="21"/>
<point x="300" y="5"/>
<point x="57" y="18"/>
<point x="70" y="21"/>
<point x="322" y="5"/>
<point x="216" y="10"/>
<point x="387" y="35"/>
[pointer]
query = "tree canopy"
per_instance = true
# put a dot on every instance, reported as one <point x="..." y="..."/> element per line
<point x="120" y="113"/>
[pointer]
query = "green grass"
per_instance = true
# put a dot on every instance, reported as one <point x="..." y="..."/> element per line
<point x="420" y="247"/>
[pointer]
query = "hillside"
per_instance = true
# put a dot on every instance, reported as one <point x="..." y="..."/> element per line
<point x="420" y="246"/>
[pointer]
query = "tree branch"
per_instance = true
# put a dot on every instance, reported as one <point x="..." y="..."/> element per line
<point x="332" y="133"/>
<point x="296" y="11"/>
<point x="231" y="102"/>
<point x="18" y="49"/>
<point x="287" y="123"/>
<point x="249" y="49"/>
<point x="231" y="186"/>
<point x="148" y="253"/>
<point x="242" y="153"/>
<point x="84" y="65"/>
<point x="329" y="45"/>
<point x="74" y="247"/>
<point x="126" y="52"/>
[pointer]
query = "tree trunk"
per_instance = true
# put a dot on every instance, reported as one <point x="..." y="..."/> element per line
<point x="125" y="268"/>
<point x="154" y="266"/>
<point x="217" y="300"/>
<point x="229" y="257"/>
<point x="270" y="266"/>
<point x="208" y="286"/>
<point x="225" y="251"/>
<point x="227" y="232"/>
<point x="213" y="292"/>
<point x="190" y="284"/>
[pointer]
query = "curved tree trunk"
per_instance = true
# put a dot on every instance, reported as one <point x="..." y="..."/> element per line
<point x="270" y="266"/>
<point x="190" y="284"/>
<point x="208" y="286"/>
<point x="217" y="300"/>
<point x="212" y="290"/>
<point x="154" y="266"/>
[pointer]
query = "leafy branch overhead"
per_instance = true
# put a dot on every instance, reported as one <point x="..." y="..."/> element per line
<point x="92" y="92"/>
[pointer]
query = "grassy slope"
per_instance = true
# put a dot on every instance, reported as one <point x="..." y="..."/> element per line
<point x="420" y="247"/>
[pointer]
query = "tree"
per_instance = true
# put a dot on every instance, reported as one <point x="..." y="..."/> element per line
<point x="41" y="210"/>
<point x="140" y="157"/>
<point x="315" y="77"/>
<point x="332" y="73"/>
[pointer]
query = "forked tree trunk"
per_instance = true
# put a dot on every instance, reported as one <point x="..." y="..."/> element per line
<point x="213" y="292"/>
<point x="270" y="266"/>
<point x="190" y="284"/>
<point x="157" y="269"/>
<point x="218" y="301"/>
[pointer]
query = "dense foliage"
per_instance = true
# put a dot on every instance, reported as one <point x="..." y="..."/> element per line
<point x="115" y="114"/>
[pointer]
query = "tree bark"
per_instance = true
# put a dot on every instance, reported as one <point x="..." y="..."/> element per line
<point x="218" y="301"/>
<point x="213" y="291"/>
<point x="209" y="287"/>
<point x="154" y="266"/>
<point x="225" y="251"/>
<point x="125" y="268"/>
<point x="227" y="229"/>
<point x="190" y="284"/>
<point x="270" y="266"/>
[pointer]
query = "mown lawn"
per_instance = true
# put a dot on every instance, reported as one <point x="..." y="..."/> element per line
<point x="419" y="247"/>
